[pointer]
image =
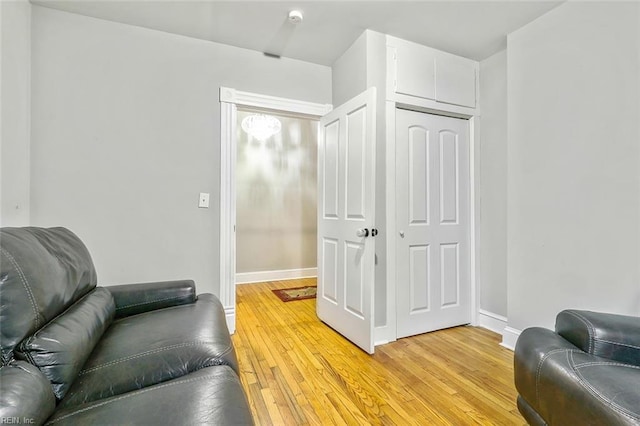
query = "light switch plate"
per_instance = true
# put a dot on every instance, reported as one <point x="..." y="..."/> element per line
<point x="203" y="202"/>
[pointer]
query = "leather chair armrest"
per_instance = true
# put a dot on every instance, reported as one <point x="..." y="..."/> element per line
<point x="532" y="348"/>
<point x="132" y="299"/>
<point x="611" y="336"/>
<point x="560" y="384"/>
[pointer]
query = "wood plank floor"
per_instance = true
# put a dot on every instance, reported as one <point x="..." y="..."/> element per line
<point x="298" y="371"/>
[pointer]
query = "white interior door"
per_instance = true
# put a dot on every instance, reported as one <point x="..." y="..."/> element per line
<point x="432" y="193"/>
<point x="346" y="204"/>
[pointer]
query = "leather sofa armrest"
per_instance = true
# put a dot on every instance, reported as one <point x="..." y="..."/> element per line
<point x="132" y="299"/>
<point x="26" y="396"/>
<point x="611" y="336"/>
<point x="532" y="349"/>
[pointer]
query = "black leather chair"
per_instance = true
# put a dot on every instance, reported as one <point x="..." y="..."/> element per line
<point x="586" y="373"/>
<point x="75" y="353"/>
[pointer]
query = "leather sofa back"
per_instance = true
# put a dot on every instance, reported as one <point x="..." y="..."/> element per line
<point x="42" y="273"/>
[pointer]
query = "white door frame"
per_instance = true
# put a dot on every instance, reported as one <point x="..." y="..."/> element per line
<point x="230" y="99"/>
<point x="389" y="332"/>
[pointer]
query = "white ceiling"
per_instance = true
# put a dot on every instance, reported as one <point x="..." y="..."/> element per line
<point x="474" y="29"/>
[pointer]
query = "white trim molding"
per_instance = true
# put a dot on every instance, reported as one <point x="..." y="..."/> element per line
<point x="510" y="337"/>
<point x="230" y="99"/>
<point x="230" y="315"/>
<point x="384" y="334"/>
<point x="238" y="97"/>
<point x="227" y="213"/>
<point x="282" y="275"/>
<point x="474" y="213"/>
<point x="490" y="321"/>
<point x="388" y="332"/>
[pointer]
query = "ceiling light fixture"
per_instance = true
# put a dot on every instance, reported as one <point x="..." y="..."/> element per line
<point x="295" y="16"/>
<point x="261" y="126"/>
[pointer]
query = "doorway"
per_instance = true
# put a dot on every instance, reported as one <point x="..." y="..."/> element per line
<point x="230" y="101"/>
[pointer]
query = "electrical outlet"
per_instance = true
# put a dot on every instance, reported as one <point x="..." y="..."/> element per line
<point x="203" y="202"/>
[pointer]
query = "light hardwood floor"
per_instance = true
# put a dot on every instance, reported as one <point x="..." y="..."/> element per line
<point x="297" y="371"/>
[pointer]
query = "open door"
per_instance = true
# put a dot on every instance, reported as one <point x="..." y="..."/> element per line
<point x="346" y="227"/>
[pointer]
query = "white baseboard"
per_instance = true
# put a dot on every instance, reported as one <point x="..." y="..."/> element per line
<point x="491" y="321"/>
<point x="230" y="315"/>
<point x="498" y="324"/>
<point x="510" y="337"/>
<point x="382" y="335"/>
<point x="287" y="274"/>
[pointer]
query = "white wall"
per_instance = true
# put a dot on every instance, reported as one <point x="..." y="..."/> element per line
<point x="493" y="185"/>
<point x="574" y="163"/>
<point x="349" y="72"/>
<point x="15" y="74"/>
<point x="126" y="133"/>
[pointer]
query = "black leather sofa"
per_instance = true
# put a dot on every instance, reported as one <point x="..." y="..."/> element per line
<point x="75" y="353"/>
<point x="586" y="373"/>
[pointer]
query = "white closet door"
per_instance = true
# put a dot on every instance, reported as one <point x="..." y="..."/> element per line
<point x="432" y="193"/>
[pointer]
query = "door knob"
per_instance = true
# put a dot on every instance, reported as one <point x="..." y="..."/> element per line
<point x="402" y="234"/>
<point x="362" y="232"/>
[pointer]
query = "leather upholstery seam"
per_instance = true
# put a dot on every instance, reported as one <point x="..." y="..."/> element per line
<point x="541" y="363"/>
<point x="590" y="329"/>
<point x="628" y="345"/>
<point x="152" y="352"/>
<point x="25" y="284"/>
<point x="603" y="363"/>
<point x="150" y="302"/>
<point x="619" y="409"/>
<point x="141" y="391"/>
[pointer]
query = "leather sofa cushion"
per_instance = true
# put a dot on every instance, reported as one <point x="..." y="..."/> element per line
<point x="153" y="347"/>
<point x="211" y="396"/>
<point x="25" y="394"/>
<point x="60" y="348"/>
<point x="42" y="272"/>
